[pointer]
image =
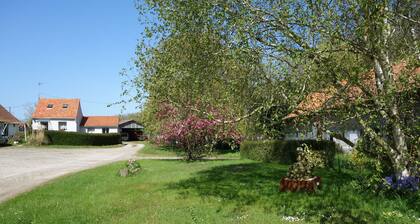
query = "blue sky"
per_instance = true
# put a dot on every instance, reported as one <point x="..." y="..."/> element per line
<point x="76" y="49"/>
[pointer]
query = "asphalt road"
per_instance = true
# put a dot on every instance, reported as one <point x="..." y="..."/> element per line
<point x="22" y="169"/>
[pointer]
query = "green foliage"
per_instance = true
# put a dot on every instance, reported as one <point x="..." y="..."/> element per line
<point x="306" y="161"/>
<point x="285" y="151"/>
<point x="372" y="164"/>
<point x="289" y="48"/>
<point x="76" y="138"/>
<point x="17" y="137"/>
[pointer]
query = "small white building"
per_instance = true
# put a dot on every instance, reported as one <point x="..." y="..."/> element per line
<point x="66" y="115"/>
<point x="100" y="124"/>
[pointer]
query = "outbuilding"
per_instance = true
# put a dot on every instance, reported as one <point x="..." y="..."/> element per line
<point x="9" y="125"/>
<point x="131" y="130"/>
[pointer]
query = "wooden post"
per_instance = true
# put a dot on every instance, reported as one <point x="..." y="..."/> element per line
<point x="24" y="131"/>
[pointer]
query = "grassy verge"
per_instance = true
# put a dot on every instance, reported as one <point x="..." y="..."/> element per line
<point x="152" y="150"/>
<point x="68" y="146"/>
<point x="229" y="191"/>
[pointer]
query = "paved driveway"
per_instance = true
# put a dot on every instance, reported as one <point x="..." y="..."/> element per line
<point x="22" y="169"/>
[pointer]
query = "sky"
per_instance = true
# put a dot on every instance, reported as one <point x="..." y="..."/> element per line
<point x="75" y="49"/>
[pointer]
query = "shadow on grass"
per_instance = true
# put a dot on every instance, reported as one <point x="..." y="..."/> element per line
<point x="256" y="184"/>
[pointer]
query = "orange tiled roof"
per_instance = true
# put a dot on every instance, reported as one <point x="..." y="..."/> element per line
<point x="317" y="100"/>
<point x="57" y="110"/>
<point x="100" y="121"/>
<point x="7" y="117"/>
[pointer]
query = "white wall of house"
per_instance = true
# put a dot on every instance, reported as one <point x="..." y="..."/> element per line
<point x="302" y="134"/>
<point x="351" y="133"/>
<point x="72" y="125"/>
<point x="98" y="130"/>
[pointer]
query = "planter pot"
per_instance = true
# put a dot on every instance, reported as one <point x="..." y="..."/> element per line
<point x="293" y="185"/>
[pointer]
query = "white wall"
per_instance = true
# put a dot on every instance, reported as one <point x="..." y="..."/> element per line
<point x="98" y="130"/>
<point x="72" y="125"/>
<point x="351" y="134"/>
<point x="302" y="134"/>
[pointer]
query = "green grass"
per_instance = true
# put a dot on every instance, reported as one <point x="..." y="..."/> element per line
<point x="69" y="146"/>
<point x="152" y="150"/>
<point x="228" y="191"/>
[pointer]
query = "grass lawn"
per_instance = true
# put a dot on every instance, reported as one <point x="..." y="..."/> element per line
<point x="67" y="146"/>
<point x="151" y="150"/>
<point x="228" y="191"/>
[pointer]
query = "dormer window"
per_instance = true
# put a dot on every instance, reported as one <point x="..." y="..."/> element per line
<point x="50" y="105"/>
<point x="65" y="105"/>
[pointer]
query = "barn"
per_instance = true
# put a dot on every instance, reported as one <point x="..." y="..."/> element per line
<point x="131" y="130"/>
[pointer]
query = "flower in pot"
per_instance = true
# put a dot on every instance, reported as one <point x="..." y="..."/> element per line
<point x="300" y="175"/>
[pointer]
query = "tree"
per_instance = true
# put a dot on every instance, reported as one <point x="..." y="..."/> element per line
<point x="308" y="45"/>
<point x="194" y="134"/>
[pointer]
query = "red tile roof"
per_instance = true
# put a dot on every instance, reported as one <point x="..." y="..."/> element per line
<point x="7" y="117"/>
<point x="57" y="110"/>
<point x="100" y="121"/>
<point x="318" y="100"/>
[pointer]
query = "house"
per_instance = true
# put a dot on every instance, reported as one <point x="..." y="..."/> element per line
<point x="349" y="131"/>
<point x="67" y="115"/>
<point x="100" y="124"/>
<point x="9" y="125"/>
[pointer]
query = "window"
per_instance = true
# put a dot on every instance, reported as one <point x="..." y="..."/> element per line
<point x="44" y="125"/>
<point x="105" y="130"/>
<point x="90" y="130"/>
<point x="65" y="105"/>
<point x="62" y="126"/>
<point x="50" y="105"/>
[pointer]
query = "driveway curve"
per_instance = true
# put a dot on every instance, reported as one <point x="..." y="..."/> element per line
<point x="22" y="169"/>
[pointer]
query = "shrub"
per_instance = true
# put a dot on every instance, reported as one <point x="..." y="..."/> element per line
<point x="195" y="134"/>
<point x="307" y="160"/>
<point x="76" y="138"/>
<point x="285" y="151"/>
<point x="38" y="138"/>
<point x="17" y="137"/>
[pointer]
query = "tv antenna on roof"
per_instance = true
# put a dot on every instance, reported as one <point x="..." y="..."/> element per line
<point x="39" y="89"/>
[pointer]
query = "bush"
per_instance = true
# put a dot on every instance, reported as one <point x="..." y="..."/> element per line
<point x="307" y="160"/>
<point x="76" y="138"/>
<point x="17" y="137"/>
<point x="38" y="138"/>
<point x="285" y="151"/>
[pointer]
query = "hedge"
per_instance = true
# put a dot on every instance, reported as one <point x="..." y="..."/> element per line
<point x="76" y="138"/>
<point x="284" y="151"/>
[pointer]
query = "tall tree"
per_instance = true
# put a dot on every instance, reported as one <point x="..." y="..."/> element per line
<point x="305" y="45"/>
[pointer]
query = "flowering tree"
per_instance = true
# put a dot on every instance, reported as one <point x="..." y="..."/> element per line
<point x="195" y="134"/>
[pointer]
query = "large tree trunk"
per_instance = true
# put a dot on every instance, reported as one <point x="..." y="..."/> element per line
<point x="385" y="83"/>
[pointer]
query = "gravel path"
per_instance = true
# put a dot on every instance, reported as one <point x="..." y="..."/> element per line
<point x="22" y="169"/>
